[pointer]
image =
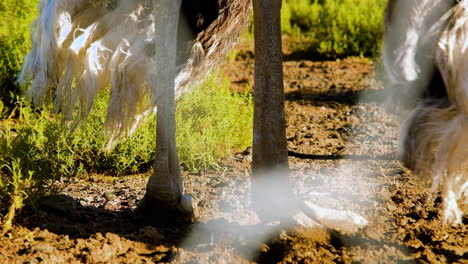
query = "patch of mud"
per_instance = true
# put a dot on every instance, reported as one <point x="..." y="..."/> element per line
<point x="342" y="156"/>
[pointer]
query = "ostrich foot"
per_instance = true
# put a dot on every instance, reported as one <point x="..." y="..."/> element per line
<point x="288" y="210"/>
<point x="451" y="214"/>
<point x="302" y="220"/>
<point x="309" y="215"/>
<point x="174" y="212"/>
<point x="343" y="221"/>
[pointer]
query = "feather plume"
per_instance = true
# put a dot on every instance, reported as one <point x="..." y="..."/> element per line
<point x="80" y="47"/>
<point x="434" y="139"/>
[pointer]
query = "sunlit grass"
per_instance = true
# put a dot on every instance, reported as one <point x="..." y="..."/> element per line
<point x="336" y="28"/>
<point x="212" y="122"/>
<point x="15" y="18"/>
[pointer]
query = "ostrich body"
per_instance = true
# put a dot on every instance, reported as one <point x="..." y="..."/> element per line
<point x="80" y="46"/>
<point x="425" y="57"/>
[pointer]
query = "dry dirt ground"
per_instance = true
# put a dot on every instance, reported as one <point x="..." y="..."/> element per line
<point x="342" y="155"/>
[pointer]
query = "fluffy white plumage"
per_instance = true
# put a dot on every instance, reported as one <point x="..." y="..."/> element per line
<point x="450" y="169"/>
<point x="79" y="47"/>
<point x="435" y="142"/>
<point x="409" y="42"/>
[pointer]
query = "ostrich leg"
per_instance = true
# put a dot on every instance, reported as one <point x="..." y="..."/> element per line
<point x="164" y="197"/>
<point x="272" y="195"/>
<point x="270" y="168"/>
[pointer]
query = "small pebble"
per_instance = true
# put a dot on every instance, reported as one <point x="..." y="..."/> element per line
<point x="108" y="196"/>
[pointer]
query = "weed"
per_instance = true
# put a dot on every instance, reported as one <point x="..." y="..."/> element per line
<point x="13" y="184"/>
<point x="211" y="123"/>
<point x="336" y="28"/>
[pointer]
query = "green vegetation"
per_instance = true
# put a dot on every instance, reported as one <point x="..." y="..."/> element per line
<point x="211" y="123"/>
<point x="16" y="16"/>
<point x="336" y="28"/>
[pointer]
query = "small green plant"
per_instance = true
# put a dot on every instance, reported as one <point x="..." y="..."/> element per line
<point x="286" y="18"/>
<point x="211" y="123"/>
<point x="304" y="15"/>
<point x="16" y="16"/>
<point x="13" y="191"/>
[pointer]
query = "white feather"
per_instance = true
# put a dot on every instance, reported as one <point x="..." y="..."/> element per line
<point x="434" y="35"/>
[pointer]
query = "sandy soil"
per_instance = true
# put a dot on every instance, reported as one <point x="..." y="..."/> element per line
<point x="342" y="155"/>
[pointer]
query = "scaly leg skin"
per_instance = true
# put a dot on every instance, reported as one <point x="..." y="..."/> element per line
<point x="272" y="196"/>
<point x="164" y="200"/>
<point x="270" y="168"/>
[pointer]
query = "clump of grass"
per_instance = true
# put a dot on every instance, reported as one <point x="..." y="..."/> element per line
<point x="13" y="191"/>
<point x="336" y="28"/>
<point x="211" y="123"/>
<point x="286" y="25"/>
<point x="16" y="16"/>
<point x="53" y="151"/>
